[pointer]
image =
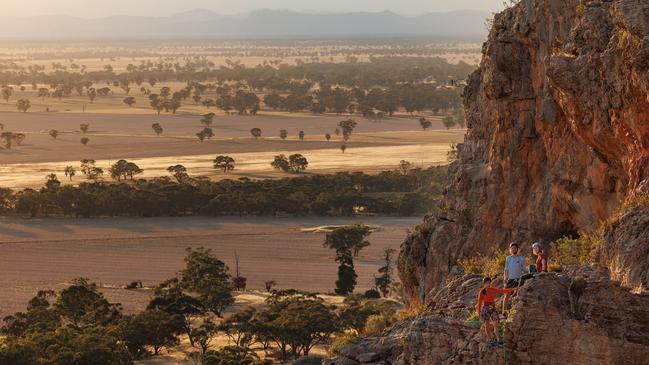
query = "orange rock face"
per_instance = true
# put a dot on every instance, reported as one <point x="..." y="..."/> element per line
<point x="558" y="118"/>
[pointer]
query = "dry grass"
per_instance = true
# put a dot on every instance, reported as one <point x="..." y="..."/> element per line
<point x="374" y="146"/>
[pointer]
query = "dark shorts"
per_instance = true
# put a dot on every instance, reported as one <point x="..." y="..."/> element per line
<point x="489" y="313"/>
<point x="513" y="283"/>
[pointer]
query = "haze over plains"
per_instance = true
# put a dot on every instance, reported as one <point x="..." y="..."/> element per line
<point x="97" y="8"/>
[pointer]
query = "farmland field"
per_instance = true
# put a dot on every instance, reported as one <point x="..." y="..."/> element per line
<point x="48" y="253"/>
<point x="374" y="146"/>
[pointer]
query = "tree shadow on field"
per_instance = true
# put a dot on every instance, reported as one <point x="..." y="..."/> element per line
<point x="12" y="232"/>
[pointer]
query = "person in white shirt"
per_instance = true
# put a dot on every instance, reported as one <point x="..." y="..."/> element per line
<point x="513" y="274"/>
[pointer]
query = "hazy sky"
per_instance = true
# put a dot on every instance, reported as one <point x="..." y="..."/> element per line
<point x="99" y="8"/>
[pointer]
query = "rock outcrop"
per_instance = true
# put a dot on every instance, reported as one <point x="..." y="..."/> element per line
<point x="557" y="142"/>
<point x="623" y="250"/>
<point x="580" y="318"/>
<point x="558" y="133"/>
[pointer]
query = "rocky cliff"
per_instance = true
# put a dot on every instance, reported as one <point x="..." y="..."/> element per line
<point x="571" y="318"/>
<point x="558" y="133"/>
<point x="557" y="144"/>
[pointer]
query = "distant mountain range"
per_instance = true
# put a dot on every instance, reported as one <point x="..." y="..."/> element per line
<point x="464" y="24"/>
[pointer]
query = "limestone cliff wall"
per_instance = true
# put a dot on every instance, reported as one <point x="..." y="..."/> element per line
<point x="558" y="132"/>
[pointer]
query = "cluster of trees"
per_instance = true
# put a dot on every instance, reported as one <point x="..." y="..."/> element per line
<point x="293" y="163"/>
<point x="374" y="89"/>
<point x="374" y="103"/>
<point x="407" y="191"/>
<point x="379" y="71"/>
<point x="80" y="326"/>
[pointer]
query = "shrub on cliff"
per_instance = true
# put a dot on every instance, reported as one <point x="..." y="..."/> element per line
<point x="485" y="265"/>
<point x="568" y="251"/>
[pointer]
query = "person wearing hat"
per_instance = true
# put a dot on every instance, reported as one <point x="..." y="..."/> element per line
<point x="541" y="258"/>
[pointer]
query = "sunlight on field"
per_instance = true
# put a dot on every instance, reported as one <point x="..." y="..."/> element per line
<point x="252" y="165"/>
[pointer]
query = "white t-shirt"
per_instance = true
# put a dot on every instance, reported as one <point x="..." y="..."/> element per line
<point x="515" y="265"/>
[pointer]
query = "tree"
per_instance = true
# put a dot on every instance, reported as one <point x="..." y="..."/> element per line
<point x="89" y="169"/>
<point x="151" y="327"/>
<point x="123" y="169"/>
<point x="448" y="121"/>
<point x="328" y="137"/>
<point x="238" y="281"/>
<point x="52" y="182"/>
<point x="295" y="322"/>
<point x="283" y="134"/>
<point x="238" y="327"/>
<point x="84" y="127"/>
<point x="6" y="92"/>
<point x="81" y="327"/>
<point x="281" y="163"/>
<point x="404" y="167"/>
<point x="84" y="141"/>
<point x="352" y="237"/>
<point x="209" y="277"/>
<point x="179" y="172"/>
<point x="8" y="138"/>
<point x="460" y="117"/>
<point x="225" y="163"/>
<point x="92" y="94"/>
<point x="347" y="127"/>
<point x="208" y="119"/>
<point x="384" y="280"/>
<point x="255" y="132"/>
<point x="301" y="135"/>
<point x="297" y="163"/>
<point x="204" y="335"/>
<point x="70" y="171"/>
<point x="273" y="101"/>
<point x="343" y="147"/>
<point x="165" y="91"/>
<point x="346" y="274"/>
<point x="129" y="101"/>
<point x="82" y="304"/>
<point x="345" y="240"/>
<point x="205" y="133"/>
<point x="170" y="297"/>
<point x="157" y="128"/>
<point x="53" y="133"/>
<point x="23" y="105"/>
<point x="269" y="285"/>
<point x="425" y="123"/>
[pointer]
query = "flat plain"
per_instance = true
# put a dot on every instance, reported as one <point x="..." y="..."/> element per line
<point x="47" y="253"/>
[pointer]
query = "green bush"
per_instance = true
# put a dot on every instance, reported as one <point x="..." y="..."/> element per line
<point x="340" y="341"/>
<point x="378" y="323"/>
<point x="372" y="294"/>
<point x="571" y="251"/>
<point x="485" y="265"/>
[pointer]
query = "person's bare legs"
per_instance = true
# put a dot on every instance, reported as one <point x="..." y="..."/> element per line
<point x="488" y="330"/>
<point x="505" y="298"/>
<point x="496" y="330"/>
